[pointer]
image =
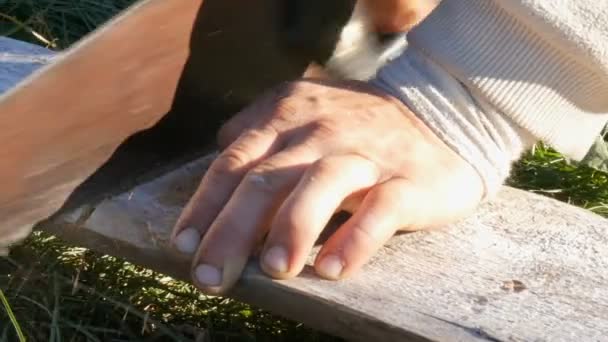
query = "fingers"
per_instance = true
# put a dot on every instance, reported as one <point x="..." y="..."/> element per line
<point x="308" y="209"/>
<point x="233" y="128"/>
<point x="243" y="221"/>
<point x="218" y="184"/>
<point x="386" y="208"/>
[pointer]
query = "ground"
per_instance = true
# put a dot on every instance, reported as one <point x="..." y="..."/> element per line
<point x="50" y="291"/>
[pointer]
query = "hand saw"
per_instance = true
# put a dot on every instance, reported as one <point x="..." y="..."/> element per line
<point x="61" y="124"/>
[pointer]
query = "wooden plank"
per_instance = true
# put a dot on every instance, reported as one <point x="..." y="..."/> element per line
<point x="523" y="268"/>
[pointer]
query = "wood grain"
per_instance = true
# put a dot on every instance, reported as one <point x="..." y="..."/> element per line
<point x="524" y="268"/>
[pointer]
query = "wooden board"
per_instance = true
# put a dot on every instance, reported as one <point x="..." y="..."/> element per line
<point x="524" y="268"/>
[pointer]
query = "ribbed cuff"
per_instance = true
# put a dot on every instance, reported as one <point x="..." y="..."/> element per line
<point x="503" y="60"/>
<point x="486" y="139"/>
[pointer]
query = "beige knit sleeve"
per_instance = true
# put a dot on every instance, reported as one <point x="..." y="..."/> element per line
<point x="492" y="76"/>
<point x="543" y="63"/>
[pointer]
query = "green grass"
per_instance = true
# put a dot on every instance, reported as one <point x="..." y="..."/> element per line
<point x="11" y="316"/>
<point x="547" y="172"/>
<point x="55" y="292"/>
<point x="63" y="293"/>
<point x="55" y="23"/>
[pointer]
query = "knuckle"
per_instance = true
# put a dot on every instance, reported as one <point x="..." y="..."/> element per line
<point x="287" y="105"/>
<point x="259" y="134"/>
<point x="364" y="235"/>
<point x="395" y="197"/>
<point x="326" y="166"/>
<point x="265" y="178"/>
<point x="293" y="103"/>
<point x="326" y="128"/>
<point x="405" y="199"/>
<point x="290" y="219"/>
<point x="286" y="112"/>
<point x="230" y="161"/>
<point x="288" y="102"/>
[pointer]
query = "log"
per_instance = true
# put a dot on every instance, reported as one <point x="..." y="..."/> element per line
<point x="523" y="268"/>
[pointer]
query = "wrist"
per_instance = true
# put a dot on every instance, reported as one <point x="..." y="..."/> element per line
<point x="485" y="138"/>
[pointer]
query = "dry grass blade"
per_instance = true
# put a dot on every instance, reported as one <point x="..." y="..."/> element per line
<point x="24" y="26"/>
<point x="56" y="23"/>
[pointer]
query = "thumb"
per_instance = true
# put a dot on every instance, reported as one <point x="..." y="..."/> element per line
<point x="386" y="208"/>
<point x="398" y="204"/>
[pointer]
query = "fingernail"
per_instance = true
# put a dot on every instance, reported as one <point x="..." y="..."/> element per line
<point x="208" y="275"/>
<point x="276" y="259"/>
<point x="187" y="241"/>
<point x="331" y="267"/>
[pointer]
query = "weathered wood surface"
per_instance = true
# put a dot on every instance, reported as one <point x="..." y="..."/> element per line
<point x="524" y="268"/>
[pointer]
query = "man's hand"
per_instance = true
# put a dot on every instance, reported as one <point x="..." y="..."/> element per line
<point x="391" y="16"/>
<point x="300" y="154"/>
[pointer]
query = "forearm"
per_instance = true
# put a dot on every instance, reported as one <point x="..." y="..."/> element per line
<point x="536" y="66"/>
<point x="489" y="140"/>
